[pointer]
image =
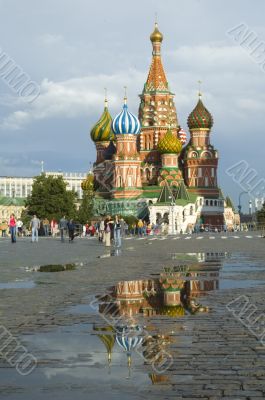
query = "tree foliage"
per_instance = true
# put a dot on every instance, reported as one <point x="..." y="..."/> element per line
<point x="261" y="215"/>
<point x="50" y="199"/>
<point x="85" y="212"/>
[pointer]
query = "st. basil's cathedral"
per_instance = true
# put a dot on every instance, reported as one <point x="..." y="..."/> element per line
<point x="144" y="167"/>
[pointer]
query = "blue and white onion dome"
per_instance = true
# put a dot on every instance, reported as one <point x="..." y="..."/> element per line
<point x="126" y="122"/>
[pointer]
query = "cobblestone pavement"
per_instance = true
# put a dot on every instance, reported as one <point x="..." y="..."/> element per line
<point x="214" y="355"/>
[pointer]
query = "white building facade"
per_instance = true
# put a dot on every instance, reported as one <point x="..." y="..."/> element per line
<point x="21" y="187"/>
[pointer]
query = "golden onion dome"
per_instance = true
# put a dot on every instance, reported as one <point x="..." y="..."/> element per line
<point x="156" y="36"/>
<point x="169" y="144"/>
<point x="88" y="183"/>
<point x="173" y="311"/>
<point x="102" y="131"/>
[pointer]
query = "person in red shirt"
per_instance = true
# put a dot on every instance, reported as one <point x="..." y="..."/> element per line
<point x="13" y="228"/>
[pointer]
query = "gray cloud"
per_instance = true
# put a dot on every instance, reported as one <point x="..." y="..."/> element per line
<point x="74" y="49"/>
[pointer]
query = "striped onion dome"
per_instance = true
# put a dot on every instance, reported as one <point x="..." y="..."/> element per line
<point x="129" y="337"/>
<point x="182" y="136"/>
<point x="125" y="122"/>
<point x="101" y="131"/>
<point x="88" y="183"/>
<point x="107" y="336"/>
<point x="200" y="117"/>
<point x="169" y="144"/>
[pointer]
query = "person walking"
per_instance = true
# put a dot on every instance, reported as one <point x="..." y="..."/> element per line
<point x="35" y="226"/>
<point x="107" y="231"/>
<point x="13" y="228"/>
<point x="117" y="231"/>
<point x="133" y="230"/>
<point x="101" y="230"/>
<point x="46" y="226"/>
<point x="19" y="227"/>
<point x="140" y="227"/>
<point x="63" y="227"/>
<point x="71" y="230"/>
<point x="4" y="228"/>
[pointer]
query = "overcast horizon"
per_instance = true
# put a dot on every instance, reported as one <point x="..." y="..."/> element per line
<point x="74" y="49"/>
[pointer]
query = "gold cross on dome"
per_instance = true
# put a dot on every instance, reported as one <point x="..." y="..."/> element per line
<point x="106" y="97"/>
<point x="199" y="93"/>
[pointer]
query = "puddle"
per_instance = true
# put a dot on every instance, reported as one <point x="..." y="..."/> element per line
<point x="113" y="252"/>
<point x="138" y="326"/>
<point x="240" y="284"/>
<point x="18" y="285"/>
<point x="90" y="307"/>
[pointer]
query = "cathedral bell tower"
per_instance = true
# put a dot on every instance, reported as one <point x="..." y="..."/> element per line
<point x="156" y="107"/>
<point x="126" y="161"/>
<point x="200" y="157"/>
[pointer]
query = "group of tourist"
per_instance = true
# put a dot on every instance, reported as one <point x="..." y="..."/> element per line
<point x="16" y="228"/>
<point x="111" y="230"/>
<point x="108" y="229"/>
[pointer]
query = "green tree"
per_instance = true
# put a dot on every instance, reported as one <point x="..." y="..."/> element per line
<point x="85" y="212"/>
<point x="261" y="215"/>
<point x="50" y="199"/>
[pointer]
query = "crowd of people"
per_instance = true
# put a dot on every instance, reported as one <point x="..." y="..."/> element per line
<point x="107" y="229"/>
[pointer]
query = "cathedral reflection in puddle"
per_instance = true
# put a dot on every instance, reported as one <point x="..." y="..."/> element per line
<point x="140" y="315"/>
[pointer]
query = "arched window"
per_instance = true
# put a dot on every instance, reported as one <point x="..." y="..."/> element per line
<point x="191" y="210"/>
<point x="211" y="203"/>
<point x="215" y="202"/>
<point x="148" y="174"/>
<point x="206" y="202"/>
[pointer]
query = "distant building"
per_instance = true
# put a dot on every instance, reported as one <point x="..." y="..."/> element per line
<point x="14" y="190"/>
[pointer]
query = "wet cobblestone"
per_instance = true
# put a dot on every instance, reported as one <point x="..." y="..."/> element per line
<point x="221" y="359"/>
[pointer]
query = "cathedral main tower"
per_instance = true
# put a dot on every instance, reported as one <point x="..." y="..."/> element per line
<point x="157" y="110"/>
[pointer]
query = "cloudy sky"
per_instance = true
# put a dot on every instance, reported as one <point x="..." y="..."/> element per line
<point x="73" y="49"/>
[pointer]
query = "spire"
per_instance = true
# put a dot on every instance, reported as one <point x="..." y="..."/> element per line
<point x="182" y="193"/>
<point x="166" y="195"/>
<point x="199" y="91"/>
<point x="125" y="95"/>
<point x="106" y="98"/>
<point x="156" y="78"/>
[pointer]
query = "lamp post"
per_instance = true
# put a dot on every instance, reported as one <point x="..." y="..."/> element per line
<point x="240" y="207"/>
<point x="250" y="207"/>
